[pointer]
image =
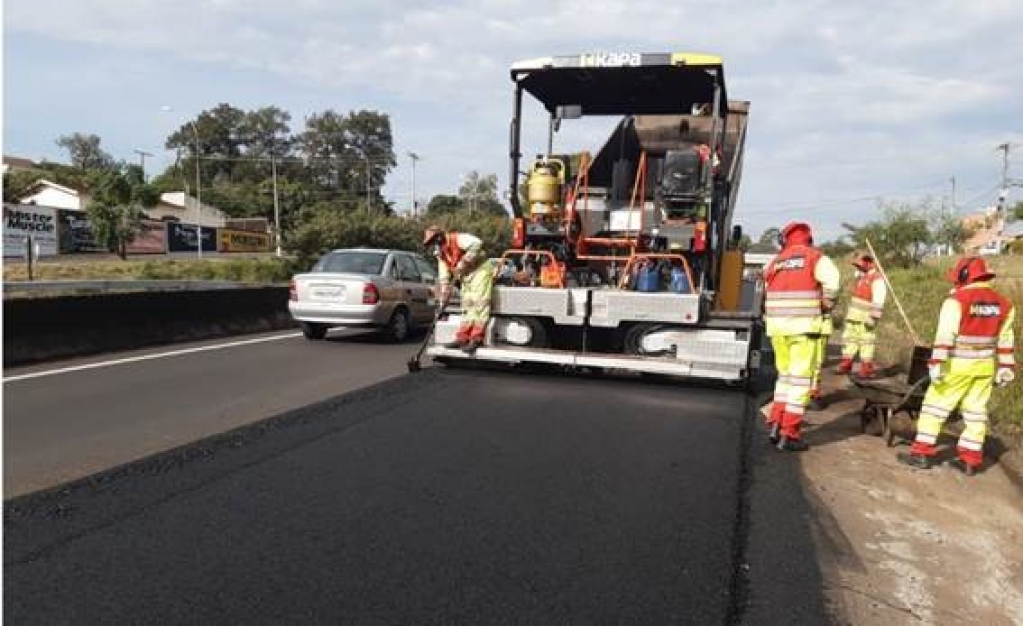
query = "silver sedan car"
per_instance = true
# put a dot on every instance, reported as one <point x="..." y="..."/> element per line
<point x="390" y="290"/>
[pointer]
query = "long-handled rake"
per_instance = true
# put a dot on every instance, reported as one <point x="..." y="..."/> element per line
<point x="413" y="363"/>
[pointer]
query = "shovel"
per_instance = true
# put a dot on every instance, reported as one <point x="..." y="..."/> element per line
<point x="413" y="363"/>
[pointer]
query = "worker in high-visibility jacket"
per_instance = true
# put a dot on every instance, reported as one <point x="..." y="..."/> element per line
<point x="461" y="258"/>
<point x="802" y="284"/>
<point x="865" y="308"/>
<point x="973" y="350"/>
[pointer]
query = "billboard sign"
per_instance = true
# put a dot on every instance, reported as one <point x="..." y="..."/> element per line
<point x="242" y="241"/>
<point x="151" y="238"/>
<point x="76" y="234"/>
<point x="22" y="221"/>
<point x="181" y="238"/>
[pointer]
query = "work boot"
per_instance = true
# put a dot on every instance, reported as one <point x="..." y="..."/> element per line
<point x="471" y="346"/>
<point x="918" y="461"/>
<point x="792" y="445"/>
<point x="845" y="366"/>
<point x="868" y="370"/>
<point x="962" y="466"/>
<point x="775" y="435"/>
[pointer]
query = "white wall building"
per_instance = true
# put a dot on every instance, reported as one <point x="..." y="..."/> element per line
<point x="186" y="210"/>
<point x="48" y="193"/>
<point x="172" y="206"/>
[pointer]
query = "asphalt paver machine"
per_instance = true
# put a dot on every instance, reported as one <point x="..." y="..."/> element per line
<point x="626" y="258"/>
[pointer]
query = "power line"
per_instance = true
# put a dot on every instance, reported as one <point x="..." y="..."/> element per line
<point x="786" y="208"/>
<point x="303" y="160"/>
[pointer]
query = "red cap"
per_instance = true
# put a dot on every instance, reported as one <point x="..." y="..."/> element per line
<point x="863" y="262"/>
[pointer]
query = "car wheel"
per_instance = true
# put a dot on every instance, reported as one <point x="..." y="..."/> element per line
<point x="314" y="331"/>
<point x="397" y="328"/>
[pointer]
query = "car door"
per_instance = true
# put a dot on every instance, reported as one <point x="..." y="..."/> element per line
<point x="416" y="292"/>
<point x="428" y="274"/>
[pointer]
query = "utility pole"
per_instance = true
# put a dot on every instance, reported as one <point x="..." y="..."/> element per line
<point x="198" y="192"/>
<point x="414" y="157"/>
<point x="1004" y="193"/>
<point x="368" y="205"/>
<point x="142" y="161"/>
<point x="277" y="206"/>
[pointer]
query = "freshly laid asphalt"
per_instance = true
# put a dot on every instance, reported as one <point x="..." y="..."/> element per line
<point x="440" y="497"/>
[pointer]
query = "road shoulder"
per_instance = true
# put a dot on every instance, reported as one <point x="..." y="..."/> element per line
<point x="904" y="546"/>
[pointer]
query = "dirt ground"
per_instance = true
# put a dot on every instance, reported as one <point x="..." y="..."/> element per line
<point x="906" y="546"/>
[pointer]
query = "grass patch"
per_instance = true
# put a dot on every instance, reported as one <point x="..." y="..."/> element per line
<point x="248" y="270"/>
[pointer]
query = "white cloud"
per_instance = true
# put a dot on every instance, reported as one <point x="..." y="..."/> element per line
<point x="901" y="91"/>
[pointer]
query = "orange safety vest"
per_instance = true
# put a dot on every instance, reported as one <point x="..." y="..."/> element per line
<point x="792" y="288"/>
<point x="861" y="305"/>
<point x="983" y="313"/>
<point x="450" y="253"/>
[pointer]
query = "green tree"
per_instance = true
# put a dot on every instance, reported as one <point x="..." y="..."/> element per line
<point x="347" y="155"/>
<point x="479" y="193"/>
<point x="838" y="248"/>
<point x="902" y="237"/>
<point x="766" y="243"/>
<point x="84" y="151"/>
<point x="948" y="231"/>
<point x="116" y="210"/>
<point x="1017" y="211"/>
<point x="218" y="133"/>
<point x="442" y="204"/>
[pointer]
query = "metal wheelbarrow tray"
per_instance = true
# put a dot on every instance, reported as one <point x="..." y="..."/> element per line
<point x="885" y="398"/>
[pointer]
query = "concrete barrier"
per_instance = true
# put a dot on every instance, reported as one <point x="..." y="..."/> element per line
<point x="44" y="329"/>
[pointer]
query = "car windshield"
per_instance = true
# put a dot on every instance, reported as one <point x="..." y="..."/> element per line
<point x="353" y="261"/>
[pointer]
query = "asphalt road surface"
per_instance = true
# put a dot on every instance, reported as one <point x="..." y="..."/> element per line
<point x="440" y="497"/>
<point x="74" y="423"/>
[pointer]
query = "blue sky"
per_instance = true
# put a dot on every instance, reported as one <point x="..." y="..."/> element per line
<point x="851" y="102"/>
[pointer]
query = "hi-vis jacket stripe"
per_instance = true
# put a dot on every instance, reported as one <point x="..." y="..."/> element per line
<point x="793" y="303"/>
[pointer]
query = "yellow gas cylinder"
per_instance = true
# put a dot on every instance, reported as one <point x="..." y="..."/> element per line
<point x="543" y="188"/>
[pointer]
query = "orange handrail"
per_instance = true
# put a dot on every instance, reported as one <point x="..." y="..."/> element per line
<point x="640" y="186"/>
<point x="651" y="255"/>
<point x="527" y="253"/>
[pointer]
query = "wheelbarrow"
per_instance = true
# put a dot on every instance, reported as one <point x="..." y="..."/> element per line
<point x="886" y="398"/>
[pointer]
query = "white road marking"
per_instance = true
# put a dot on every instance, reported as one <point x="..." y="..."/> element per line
<point x="148" y="357"/>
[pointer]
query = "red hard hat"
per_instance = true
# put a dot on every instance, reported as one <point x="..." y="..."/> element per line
<point x="970" y="270"/>
<point x="863" y="262"/>
<point x="796" y="233"/>
<point x="792" y="227"/>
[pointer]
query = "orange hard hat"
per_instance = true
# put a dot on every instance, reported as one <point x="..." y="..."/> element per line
<point x="968" y="270"/>
<point x="430" y="234"/>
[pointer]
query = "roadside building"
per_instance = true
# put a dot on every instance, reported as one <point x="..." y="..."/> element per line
<point x="13" y="164"/>
<point x="173" y="206"/>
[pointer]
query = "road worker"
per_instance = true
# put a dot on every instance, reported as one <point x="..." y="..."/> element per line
<point x="865" y="308"/>
<point x="802" y="284"/>
<point x="973" y="350"/>
<point x="461" y="258"/>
